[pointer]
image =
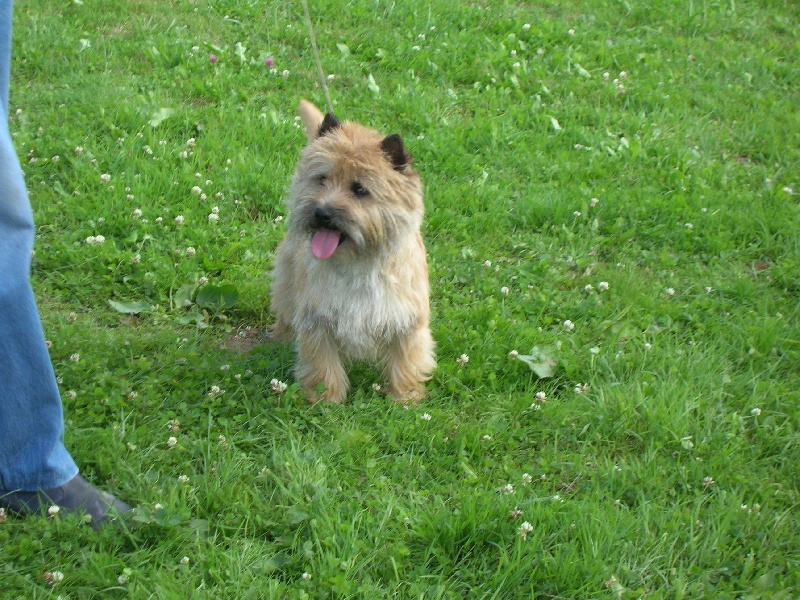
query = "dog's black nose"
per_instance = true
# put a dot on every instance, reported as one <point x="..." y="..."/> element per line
<point x="323" y="216"/>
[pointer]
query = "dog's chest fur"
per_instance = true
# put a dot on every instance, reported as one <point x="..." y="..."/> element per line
<point x="363" y="308"/>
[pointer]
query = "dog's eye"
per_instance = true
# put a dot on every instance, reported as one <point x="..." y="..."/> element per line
<point x="322" y="179"/>
<point x="359" y="191"/>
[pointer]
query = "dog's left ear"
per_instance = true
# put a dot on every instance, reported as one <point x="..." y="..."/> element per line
<point x="392" y="145"/>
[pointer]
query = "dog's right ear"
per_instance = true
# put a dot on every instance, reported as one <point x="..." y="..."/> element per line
<point x="312" y="118"/>
<point x="329" y="123"/>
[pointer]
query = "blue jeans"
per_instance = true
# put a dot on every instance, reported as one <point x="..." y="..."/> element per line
<point x="32" y="452"/>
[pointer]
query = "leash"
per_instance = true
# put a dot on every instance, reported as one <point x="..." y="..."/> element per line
<point x="320" y="72"/>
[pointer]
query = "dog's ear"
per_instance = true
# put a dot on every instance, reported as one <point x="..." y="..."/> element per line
<point x="329" y="123"/>
<point x="392" y="145"/>
<point x="312" y="118"/>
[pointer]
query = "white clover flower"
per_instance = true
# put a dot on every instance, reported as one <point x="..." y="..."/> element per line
<point x="426" y="417"/>
<point x="213" y="218"/>
<point x="179" y="220"/>
<point x="487" y="264"/>
<point x="595" y="350"/>
<point x="277" y="219"/>
<point x="570" y="32"/>
<point x="513" y="354"/>
<point x="786" y="190"/>
<point x="53" y="510"/>
<point x="215" y="210"/>
<point x="376" y="387"/>
<point x="688" y="226"/>
<point x="462" y="360"/>
<point x="196" y="190"/>
<point x="172" y="441"/>
<point x="137" y="213"/>
<point x="78" y="150"/>
<point x="569" y="325"/>
<point x="507" y="490"/>
<point x="277" y="386"/>
<point x="190" y="251"/>
<point x="203" y="280"/>
<point x="75" y="357"/>
<point x="56" y="577"/>
<point x="185" y="560"/>
<point x="670" y="292"/>
<point x="526" y="27"/>
<point x="105" y="177"/>
<point x="648" y="345"/>
<point x="594" y="202"/>
<point x="526" y="479"/>
<point x="524" y="530"/>
<point x="755" y="412"/>
<point x="95" y="240"/>
<point x="486" y="438"/>
<point x="515" y="513"/>
<point x="623" y="75"/>
<point x="582" y="388"/>
<point x="588" y="288"/>
<point x="504" y="290"/>
<point x="708" y="481"/>
<point x="71" y="394"/>
<point x="285" y="72"/>
<point x="306" y="576"/>
<point x="183" y="479"/>
<point x="577" y="213"/>
<point x="602" y="286"/>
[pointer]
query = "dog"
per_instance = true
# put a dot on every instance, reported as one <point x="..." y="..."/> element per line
<point x="350" y="280"/>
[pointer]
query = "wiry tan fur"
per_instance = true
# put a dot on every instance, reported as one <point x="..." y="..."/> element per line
<point x="369" y="300"/>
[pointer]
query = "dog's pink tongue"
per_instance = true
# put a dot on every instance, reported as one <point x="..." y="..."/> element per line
<point x="324" y="243"/>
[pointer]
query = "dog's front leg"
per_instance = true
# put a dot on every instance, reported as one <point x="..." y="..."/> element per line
<point x="319" y="361"/>
<point x="410" y="363"/>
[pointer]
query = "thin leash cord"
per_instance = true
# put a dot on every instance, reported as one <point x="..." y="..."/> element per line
<point x="320" y="72"/>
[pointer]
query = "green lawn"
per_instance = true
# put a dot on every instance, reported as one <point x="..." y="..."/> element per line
<point x="610" y="185"/>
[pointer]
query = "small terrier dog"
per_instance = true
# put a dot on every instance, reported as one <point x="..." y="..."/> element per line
<point x="351" y="276"/>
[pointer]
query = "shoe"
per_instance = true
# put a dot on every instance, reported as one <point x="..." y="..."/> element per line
<point x="75" y="496"/>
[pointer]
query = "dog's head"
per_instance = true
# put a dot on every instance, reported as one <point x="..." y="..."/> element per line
<point x="354" y="192"/>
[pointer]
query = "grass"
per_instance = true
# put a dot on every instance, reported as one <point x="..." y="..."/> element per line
<point x="663" y="461"/>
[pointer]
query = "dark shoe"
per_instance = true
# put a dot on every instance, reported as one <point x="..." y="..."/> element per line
<point x="75" y="496"/>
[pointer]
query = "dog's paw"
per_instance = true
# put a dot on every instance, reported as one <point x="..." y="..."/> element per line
<point x="410" y="397"/>
<point x="315" y="395"/>
<point x="280" y="332"/>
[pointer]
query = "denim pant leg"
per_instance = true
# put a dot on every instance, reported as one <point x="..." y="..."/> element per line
<point x="32" y="452"/>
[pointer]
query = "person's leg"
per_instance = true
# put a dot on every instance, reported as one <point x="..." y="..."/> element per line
<point x="35" y="467"/>
<point x="32" y="453"/>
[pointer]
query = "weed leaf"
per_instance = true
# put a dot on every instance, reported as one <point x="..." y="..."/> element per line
<point x="160" y="116"/>
<point x="217" y="297"/>
<point x="130" y="308"/>
<point x="541" y="361"/>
